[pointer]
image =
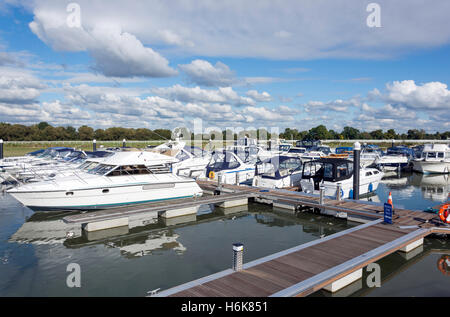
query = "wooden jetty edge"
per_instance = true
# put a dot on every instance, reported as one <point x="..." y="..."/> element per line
<point x="330" y="262"/>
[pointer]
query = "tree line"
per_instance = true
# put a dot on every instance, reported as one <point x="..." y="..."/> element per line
<point x="349" y="133"/>
<point x="46" y="132"/>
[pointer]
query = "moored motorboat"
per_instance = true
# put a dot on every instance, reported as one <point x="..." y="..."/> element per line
<point x="331" y="172"/>
<point x="122" y="179"/>
<point x="435" y="159"/>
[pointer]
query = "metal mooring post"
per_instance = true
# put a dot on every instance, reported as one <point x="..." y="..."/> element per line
<point x="356" y="168"/>
<point x="94" y="145"/>
<point x="322" y="194"/>
<point x="338" y="191"/>
<point x="1" y="149"/>
<point x="238" y="252"/>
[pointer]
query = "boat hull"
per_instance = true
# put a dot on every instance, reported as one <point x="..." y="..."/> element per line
<point x="105" y="197"/>
<point x="427" y="167"/>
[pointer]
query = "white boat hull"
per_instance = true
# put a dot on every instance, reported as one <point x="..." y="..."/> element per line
<point x="431" y="167"/>
<point x="96" y="198"/>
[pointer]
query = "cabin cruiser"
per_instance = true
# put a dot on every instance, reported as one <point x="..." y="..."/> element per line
<point x="122" y="179"/>
<point x="192" y="160"/>
<point x="330" y="172"/>
<point x="278" y="172"/>
<point x="435" y="159"/>
<point x="232" y="166"/>
<point x="396" y="157"/>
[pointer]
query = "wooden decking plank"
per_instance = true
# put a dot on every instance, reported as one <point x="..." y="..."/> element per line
<point x="294" y="271"/>
<point x="279" y="276"/>
<point x="253" y="285"/>
<point x="308" y="267"/>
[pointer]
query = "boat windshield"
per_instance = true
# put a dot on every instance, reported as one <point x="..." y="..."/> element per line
<point x="222" y="161"/>
<point x="297" y="150"/>
<point x="284" y="147"/>
<point x="101" y="169"/>
<point x="88" y="165"/>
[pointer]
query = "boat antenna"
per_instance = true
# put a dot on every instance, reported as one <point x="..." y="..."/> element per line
<point x="159" y="135"/>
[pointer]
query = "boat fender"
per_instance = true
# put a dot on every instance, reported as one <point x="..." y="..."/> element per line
<point x="443" y="264"/>
<point x="444" y="213"/>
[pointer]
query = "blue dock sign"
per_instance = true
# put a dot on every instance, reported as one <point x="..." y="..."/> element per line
<point x="388" y="213"/>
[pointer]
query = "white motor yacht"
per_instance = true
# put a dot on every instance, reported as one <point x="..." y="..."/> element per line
<point x="435" y="158"/>
<point x="122" y="179"/>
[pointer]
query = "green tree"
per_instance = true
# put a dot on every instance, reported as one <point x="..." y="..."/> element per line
<point x="43" y="125"/>
<point x="350" y="133"/>
<point x="377" y="134"/>
<point x="85" y="133"/>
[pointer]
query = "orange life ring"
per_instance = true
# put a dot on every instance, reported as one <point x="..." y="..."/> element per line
<point x="443" y="213"/>
<point x="211" y="175"/>
<point x="443" y="265"/>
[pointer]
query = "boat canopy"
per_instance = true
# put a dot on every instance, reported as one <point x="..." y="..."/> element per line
<point x="278" y="167"/>
<point x="328" y="169"/>
<point x="402" y="150"/>
<point x="222" y="160"/>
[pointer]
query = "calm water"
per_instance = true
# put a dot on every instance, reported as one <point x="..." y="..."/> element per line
<point x="34" y="251"/>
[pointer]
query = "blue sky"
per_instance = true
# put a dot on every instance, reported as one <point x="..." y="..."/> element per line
<point x="162" y="64"/>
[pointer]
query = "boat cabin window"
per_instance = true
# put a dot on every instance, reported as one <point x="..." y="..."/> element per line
<point x="313" y="169"/>
<point x="101" y="169"/>
<point x="368" y="173"/>
<point x="297" y="151"/>
<point x="284" y="147"/>
<point x="441" y="155"/>
<point x="430" y="155"/>
<point x="88" y="165"/>
<point x="129" y="170"/>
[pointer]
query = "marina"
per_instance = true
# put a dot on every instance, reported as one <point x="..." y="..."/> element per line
<point x="331" y="262"/>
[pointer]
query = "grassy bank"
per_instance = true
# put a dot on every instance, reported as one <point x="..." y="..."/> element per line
<point x="22" y="148"/>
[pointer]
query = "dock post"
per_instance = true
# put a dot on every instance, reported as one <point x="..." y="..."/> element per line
<point x="94" y="145"/>
<point x="1" y="149"/>
<point x="124" y="143"/>
<point x="238" y="251"/>
<point x="322" y="194"/>
<point x="338" y="191"/>
<point x="356" y="168"/>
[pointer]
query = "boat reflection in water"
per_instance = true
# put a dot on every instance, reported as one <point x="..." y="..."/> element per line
<point x="435" y="187"/>
<point x="150" y="236"/>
